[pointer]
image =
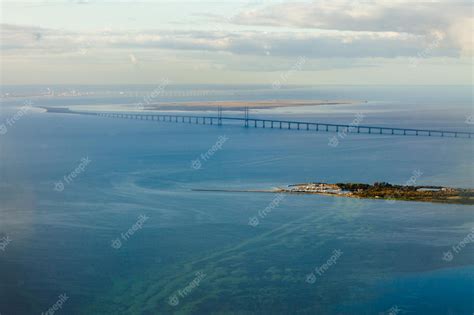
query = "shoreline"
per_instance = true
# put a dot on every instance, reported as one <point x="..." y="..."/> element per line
<point x="377" y="191"/>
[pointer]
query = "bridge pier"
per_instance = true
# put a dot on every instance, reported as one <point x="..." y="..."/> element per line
<point x="246" y="117"/>
<point x="280" y="124"/>
<point x="219" y="116"/>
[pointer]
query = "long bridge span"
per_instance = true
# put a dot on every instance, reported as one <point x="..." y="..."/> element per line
<point x="247" y="121"/>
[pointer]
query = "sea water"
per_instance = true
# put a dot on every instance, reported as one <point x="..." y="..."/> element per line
<point x="126" y="233"/>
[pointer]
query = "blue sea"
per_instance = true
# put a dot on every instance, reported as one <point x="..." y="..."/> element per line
<point x="101" y="216"/>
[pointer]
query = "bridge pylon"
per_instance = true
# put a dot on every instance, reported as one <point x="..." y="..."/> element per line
<point x="219" y="115"/>
<point x="246" y="114"/>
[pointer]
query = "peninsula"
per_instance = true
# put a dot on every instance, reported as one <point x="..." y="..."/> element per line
<point x="378" y="190"/>
<point x="382" y="190"/>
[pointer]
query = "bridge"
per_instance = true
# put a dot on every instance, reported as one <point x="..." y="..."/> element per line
<point x="246" y="121"/>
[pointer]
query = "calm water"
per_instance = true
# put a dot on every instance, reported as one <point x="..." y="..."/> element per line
<point x="392" y="253"/>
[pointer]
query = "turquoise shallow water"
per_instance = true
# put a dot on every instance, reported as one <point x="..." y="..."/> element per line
<point x="392" y="252"/>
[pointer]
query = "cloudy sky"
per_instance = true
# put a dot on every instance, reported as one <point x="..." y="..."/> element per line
<point x="236" y="42"/>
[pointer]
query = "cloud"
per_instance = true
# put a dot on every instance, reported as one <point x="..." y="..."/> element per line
<point x="30" y="40"/>
<point x="451" y="19"/>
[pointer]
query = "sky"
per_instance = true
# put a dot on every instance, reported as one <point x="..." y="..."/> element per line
<point x="237" y="42"/>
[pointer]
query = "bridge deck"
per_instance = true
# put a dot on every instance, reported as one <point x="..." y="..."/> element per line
<point x="287" y="124"/>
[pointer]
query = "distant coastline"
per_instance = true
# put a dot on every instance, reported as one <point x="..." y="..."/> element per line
<point x="200" y="105"/>
<point x="237" y="105"/>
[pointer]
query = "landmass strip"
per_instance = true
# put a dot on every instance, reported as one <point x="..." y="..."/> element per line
<point x="378" y="190"/>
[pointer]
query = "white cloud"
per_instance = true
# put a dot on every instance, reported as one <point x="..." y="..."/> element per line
<point x="30" y="40"/>
<point x="342" y="41"/>
<point x="451" y="18"/>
